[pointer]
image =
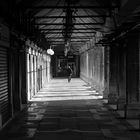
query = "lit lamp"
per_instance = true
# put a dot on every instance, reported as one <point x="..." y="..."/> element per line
<point x="50" y="51"/>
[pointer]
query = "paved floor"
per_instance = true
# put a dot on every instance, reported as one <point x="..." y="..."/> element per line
<point x="68" y="111"/>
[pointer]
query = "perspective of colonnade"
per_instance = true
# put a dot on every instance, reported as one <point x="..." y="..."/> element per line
<point x="99" y="40"/>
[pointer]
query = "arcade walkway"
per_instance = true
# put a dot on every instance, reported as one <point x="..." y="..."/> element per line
<point x="68" y="111"/>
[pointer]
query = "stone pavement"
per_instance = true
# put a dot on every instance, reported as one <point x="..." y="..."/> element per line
<point x="79" y="118"/>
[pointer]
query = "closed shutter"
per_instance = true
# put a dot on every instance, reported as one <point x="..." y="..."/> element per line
<point x="4" y="97"/>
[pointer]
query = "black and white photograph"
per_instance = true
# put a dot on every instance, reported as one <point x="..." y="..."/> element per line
<point x="69" y="69"/>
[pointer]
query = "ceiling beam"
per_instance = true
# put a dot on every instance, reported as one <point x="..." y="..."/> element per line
<point x="59" y="29"/>
<point x="70" y="41"/>
<point x="72" y="32"/>
<point x="62" y="44"/>
<point x="76" y="37"/>
<point x="47" y="24"/>
<point x="74" y="42"/>
<point x="74" y="7"/>
<point x="80" y="16"/>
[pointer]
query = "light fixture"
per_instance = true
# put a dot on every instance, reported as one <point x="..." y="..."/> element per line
<point x="68" y="26"/>
<point x="50" y="51"/>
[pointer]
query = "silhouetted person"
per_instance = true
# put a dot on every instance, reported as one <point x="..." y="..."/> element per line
<point x="69" y="71"/>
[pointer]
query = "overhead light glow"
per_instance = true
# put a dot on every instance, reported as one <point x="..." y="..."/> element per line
<point x="50" y="51"/>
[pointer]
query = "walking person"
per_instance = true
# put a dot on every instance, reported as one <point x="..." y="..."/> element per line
<point x="69" y="71"/>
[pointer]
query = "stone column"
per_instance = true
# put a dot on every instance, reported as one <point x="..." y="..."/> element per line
<point x="139" y="67"/>
<point x="106" y="72"/>
<point x="0" y="121"/>
<point x="113" y="71"/>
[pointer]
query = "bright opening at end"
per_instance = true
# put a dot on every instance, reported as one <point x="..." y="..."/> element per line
<point x="61" y="90"/>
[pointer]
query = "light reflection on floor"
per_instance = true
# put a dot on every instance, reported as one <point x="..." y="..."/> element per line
<point x="60" y="89"/>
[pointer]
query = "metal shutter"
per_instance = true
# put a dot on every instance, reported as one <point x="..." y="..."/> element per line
<point x="4" y="97"/>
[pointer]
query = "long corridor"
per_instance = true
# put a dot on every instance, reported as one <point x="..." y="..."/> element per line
<point x="60" y="89"/>
<point x="68" y="111"/>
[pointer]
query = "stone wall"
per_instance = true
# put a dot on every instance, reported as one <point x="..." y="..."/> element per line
<point x="92" y="68"/>
<point x="124" y="69"/>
